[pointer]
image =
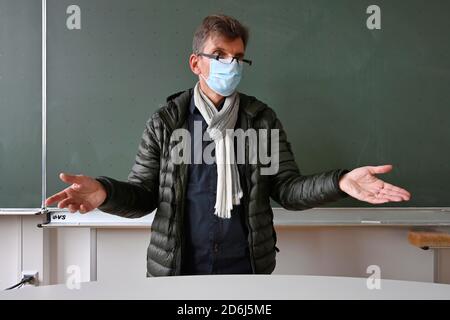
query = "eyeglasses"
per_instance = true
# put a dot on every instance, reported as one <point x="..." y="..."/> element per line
<point x="223" y="60"/>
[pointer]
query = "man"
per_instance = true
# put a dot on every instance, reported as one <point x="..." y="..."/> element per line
<point x="216" y="217"/>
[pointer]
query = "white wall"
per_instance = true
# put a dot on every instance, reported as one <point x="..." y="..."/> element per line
<point x="69" y="246"/>
<point x="348" y="251"/>
<point x="331" y="251"/>
<point x="121" y="252"/>
<point x="10" y="250"/>
<point x="23" y="246"/>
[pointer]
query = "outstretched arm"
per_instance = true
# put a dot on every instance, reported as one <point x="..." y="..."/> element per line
<point x="295" y="191"/>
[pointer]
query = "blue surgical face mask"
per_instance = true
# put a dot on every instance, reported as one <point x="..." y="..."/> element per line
<point x="223" y="78"/>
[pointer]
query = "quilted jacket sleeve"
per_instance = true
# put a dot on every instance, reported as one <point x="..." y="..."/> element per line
<point x="137" y="196"/>
<point x="294" y="191"/>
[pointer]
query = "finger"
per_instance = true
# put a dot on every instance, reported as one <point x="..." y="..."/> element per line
<point x="87" y="207"/>
<point x="56" y="198"/>
<point x="77" y="187"/>
<point x="389" y="189"/>
<point x="73" y="208"/>
<point x="389" y="186"/>
<point x="402" y="196"/>
<point x="82" y="209"/>
<point x="373" y="197"/>
<point x="374" y="200"/>
<point x="70" y="178"/>
<point x="389" y="192"/>
<point x="381" y="169"/>
<point x="65" y="203"/>
<point x="390" y="197"/>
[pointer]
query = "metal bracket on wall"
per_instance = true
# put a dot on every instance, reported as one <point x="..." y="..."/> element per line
<point x="47" y="217"/>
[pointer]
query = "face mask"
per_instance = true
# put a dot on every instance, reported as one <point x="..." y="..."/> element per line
<point x="223" y="78"/>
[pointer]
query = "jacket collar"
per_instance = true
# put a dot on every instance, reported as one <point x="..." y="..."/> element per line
<point x="178" y="106"/>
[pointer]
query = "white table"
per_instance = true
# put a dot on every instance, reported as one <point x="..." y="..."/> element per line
<point x="237" y="287"/>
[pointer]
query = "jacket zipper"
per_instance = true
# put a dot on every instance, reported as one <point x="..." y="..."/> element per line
<point x="181" y="191"/>
<point x="247" y="200"/>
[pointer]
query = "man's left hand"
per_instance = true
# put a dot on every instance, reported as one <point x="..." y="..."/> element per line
<point x="362" y="184"/>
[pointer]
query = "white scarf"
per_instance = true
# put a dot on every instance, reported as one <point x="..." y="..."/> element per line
<point x="229" y="190"/>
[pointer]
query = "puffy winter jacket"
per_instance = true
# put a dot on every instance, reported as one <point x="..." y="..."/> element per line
<point x="155" y="182"/>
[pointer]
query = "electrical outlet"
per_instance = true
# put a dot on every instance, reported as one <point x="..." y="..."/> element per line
<point x="33" y="274"/>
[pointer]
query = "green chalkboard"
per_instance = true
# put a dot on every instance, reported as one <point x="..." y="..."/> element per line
<point x="20" y="104"/>
<point x="347" y="96"/>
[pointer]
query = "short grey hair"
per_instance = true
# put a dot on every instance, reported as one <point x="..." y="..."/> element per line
<point x="221" y="25"/>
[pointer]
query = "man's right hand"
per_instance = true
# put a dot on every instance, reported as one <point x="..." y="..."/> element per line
<point x="84" y="195"/>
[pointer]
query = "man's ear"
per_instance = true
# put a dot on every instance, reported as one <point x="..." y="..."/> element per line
<point x="193" y="63"/>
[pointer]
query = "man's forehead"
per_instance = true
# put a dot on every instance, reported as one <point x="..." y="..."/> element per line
<point x="235" y="46"/>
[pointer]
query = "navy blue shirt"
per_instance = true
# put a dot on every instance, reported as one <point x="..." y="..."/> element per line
<point x="213" y="245"/>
